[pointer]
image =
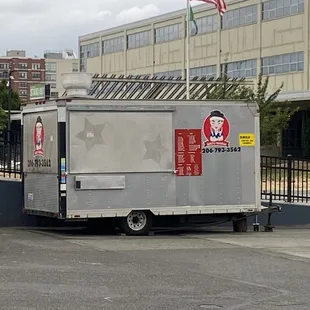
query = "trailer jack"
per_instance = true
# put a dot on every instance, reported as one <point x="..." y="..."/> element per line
<point x="267" y="210"/>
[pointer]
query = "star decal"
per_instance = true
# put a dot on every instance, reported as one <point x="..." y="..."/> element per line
<point x="91" y="134"/>
<point x="154" y="149"/>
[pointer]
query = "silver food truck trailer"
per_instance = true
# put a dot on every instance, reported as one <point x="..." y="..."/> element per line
<point x="137" y="161"/>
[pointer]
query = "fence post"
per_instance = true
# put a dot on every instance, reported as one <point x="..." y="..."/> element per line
<point x="289" y="178"/>
<point x="9" y="152"/>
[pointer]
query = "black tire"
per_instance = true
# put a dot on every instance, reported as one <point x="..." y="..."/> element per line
<point x="240" y="224"/>
<point x="137" y="223"/>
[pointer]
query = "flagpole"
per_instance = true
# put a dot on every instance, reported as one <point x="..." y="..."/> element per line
<point x="187" y="52"/>
<point x="220" y="44"/>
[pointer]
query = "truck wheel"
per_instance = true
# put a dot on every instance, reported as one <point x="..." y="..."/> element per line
<point x="240" y="224"/>
<point x="136" y="223"/>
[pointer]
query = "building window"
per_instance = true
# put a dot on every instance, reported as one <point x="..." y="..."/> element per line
<point x="208" y="71"/>
<point x="23" y="85"/>
<point x="292" y="134"/>
<point x="36" y="76"/>
<point x="239" y="17"/>
<point x="54" y="94"/>
<point x="75" y="67"/>
<point x="167" y="33"/>
<point x="53" y="85"/>
<point x="174" y="73"/>
<point x="89" y="50"/>
<point x="241" y="69"/>
<point x="51" y="67"/>
<point x="4" y="75"/>
<point x="113" y="45"/>
<point x="22" y="66"/>
<point x="36" y="66"/>
<point x="138" y="39"/>
<point x="206" y="24"/>
<point x="23" y="75"/>
<point x="4" y="66"/>
<point x="50" y="77"/>
<point x="285" y="63"/>
<point x="23" y="93"/>
<point x="279" y="8"/>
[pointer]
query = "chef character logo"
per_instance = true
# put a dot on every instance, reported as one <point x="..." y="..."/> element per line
<point x="38" y="137"/>
<point x="216" y="129"/>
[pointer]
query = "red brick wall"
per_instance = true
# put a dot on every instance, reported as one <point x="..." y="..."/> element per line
<point x="26" y="71"/>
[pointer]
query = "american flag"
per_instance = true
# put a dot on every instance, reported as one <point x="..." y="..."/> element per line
<point x="220" y="5"/>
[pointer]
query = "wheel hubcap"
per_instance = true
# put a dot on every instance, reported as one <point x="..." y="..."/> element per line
<point x="136" y="220"/>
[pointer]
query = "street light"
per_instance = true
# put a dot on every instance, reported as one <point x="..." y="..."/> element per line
<point x="9" y="84"/>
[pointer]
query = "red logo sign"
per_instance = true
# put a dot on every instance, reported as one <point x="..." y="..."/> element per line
<point x="38" y="138"/>
<point x="216" y="129"/>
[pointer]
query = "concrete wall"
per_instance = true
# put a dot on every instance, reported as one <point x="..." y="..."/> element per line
<point x="11" y="214"/>
<point x="291" y="215"/>
<point x="11" y="211"/>
<point x="11" y="203"/>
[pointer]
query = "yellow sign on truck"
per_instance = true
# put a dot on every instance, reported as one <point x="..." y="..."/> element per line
<point x="246" y="139"/>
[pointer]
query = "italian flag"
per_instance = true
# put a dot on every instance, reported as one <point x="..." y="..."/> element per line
<point x="192" y="18"/>
<point x="220" y="5"/>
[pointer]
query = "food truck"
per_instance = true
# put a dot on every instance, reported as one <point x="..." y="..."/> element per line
<point x="136" y="161"/>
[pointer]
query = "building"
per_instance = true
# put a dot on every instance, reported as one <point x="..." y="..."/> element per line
<point x="57" y="63"/>
<point x="16" y="53"/>
<point x="25" y="71"/>
<point x="253" y="36"/>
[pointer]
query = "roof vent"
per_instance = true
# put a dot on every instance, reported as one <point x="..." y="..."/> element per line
<point x="77" y="84"/>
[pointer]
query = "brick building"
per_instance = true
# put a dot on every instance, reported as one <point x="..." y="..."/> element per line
<point x="25" y="71"/>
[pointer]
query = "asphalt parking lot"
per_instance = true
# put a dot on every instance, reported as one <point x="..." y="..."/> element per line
<point x="184" y="270"/>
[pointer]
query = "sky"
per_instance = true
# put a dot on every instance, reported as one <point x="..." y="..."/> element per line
<point x="38" y="25"/>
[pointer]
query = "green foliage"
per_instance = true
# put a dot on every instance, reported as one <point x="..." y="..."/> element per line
<point x="4" y="95"/>
<point x="3" y="118"/>
<point x="274" y="116"/>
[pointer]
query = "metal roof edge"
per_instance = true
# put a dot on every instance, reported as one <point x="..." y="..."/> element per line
<point x="294" y="96"/>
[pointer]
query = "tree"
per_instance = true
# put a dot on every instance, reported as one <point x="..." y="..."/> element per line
<point x="3" y="118"/>
<point x="4" y="95"/>
<point x="274" y="115"/>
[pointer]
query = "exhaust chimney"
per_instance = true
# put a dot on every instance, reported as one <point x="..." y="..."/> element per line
<point x="77" y="84"/>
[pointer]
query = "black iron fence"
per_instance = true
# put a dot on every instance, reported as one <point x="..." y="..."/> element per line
<point x="10" y="154"/>
<point x="286" y="179"/>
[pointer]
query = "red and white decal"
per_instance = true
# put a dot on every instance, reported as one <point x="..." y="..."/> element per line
<point x="38" y="138"/>
<point x="216" y="129"/>
<point x="188" y="154"/>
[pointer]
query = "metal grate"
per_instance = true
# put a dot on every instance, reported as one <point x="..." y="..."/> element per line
<point x="143" y="87"/>
<point x="10" y="154"/>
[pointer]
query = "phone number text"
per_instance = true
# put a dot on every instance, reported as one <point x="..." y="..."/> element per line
<point x="38" y="163"/>
<point x="221" y="150"/>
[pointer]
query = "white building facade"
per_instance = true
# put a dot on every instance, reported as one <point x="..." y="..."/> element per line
<point x="57" y="63"/>
<point x="253" y="36"/>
